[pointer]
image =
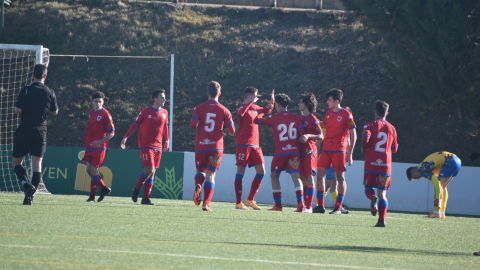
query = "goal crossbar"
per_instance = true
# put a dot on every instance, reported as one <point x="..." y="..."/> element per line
<point x="37" y="48"/>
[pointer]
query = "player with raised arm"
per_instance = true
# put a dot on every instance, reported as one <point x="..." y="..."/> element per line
<point x="248" y="151"/>
<point x="34" y="103"/>
<point x="308" y="147"/>
<point x="209" y="118"/>
<point x="287" y="128"/>
<point x="379" y="141"/>
<point x="153" y="122"/>
<point x="339" y="125"/>
<point x="440" y="168"/>
<point x="100" y="129"/>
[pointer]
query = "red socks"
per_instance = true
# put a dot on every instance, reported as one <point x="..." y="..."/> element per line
<point x="238" y="187"/>
<point x="257" y="182"/>
<point x="199" y="179"/>
<point x="209" y="187"/>
<point x="370" y="193"/>
<point x="339" y="202"/>
<point x="309" y="195"/>
<point x="277" y="196"/>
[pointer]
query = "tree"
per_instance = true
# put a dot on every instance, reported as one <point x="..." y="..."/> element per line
<point x="434" y="49"/>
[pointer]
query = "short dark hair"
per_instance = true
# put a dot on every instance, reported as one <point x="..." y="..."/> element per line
<point x="250" y="90"/>
<point x="98" y="94"/>
<point x="39" y="71"/>
<point x="409" y="173"/>
<point x="381" y="107"/>
<point x="282" y="99"/>
<point x="310" y="101"/>
<point x="348" y="109"/>
<point x="336" y="94"/>
<point x="213" y="89"/>
<point x="157" y="92"/>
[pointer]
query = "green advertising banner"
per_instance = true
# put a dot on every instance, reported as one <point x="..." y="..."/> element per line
<point x="63" y="173"/>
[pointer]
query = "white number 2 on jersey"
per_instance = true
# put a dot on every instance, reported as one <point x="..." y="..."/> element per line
<point x="383" y="139"/>
<point x="210" y="123"/>
<point x="292" y="132"/>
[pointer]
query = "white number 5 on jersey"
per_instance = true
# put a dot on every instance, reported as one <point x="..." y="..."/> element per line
<point x="210" y="122"/>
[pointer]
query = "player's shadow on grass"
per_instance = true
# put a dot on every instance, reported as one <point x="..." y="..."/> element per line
<point x="366" y="249"/>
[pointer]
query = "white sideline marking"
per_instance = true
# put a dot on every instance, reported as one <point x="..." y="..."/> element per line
<point x="21" y="246"/>
<point x="233" y="259"/>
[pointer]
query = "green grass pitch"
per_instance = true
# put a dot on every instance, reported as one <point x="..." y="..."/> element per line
<point x="65" y="232"/>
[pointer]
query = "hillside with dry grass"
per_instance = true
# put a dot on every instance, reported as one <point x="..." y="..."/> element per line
<point x="289" y="51"/>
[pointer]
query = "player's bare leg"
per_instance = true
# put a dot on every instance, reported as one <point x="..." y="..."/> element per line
<point x="256" y="183"/>
<point x="320" y="190"/>
<point x="199" y="181"/>
<point x="277" y="192"/>
<point x="342" y="188"/>
<point x="382" y="207"/>
<point x="298" y="192"/>
<point x="239" y="188"/>
<point x="209" y="189"/>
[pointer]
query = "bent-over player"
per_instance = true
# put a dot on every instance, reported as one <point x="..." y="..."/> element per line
<point x="440" y="167"/>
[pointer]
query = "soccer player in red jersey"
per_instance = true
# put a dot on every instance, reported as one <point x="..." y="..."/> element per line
<point x="308" y="148"/>
<point x="339" y="124"/>
<point x="379" y="141"/>
<point x="153" y="122"/>
<point x="248" y="151"/>
<point x="100" y="129"/>
<point x="287" y="128"/>
<point x="209" y="118"/>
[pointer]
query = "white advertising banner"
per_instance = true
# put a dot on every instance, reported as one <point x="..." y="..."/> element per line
<point x="415" y="196"/>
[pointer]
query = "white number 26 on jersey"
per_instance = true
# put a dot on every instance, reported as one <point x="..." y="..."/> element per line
<point x="210" y="122"/>
<point x="292" y="132"/>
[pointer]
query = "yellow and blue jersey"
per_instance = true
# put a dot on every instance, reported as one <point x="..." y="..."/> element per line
<point x="433" y="164"/>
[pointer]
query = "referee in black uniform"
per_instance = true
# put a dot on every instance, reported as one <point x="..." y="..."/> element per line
<point x="34" y="103"/>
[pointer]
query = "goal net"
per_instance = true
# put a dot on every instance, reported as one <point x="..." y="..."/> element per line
<point x="17" y="63"/>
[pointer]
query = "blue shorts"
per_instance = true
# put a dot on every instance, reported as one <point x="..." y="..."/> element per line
<point x="330" y="174"/>
<point x="451" y="169"/>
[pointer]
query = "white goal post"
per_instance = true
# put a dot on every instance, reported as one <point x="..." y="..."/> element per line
<point x="17" y="63"/>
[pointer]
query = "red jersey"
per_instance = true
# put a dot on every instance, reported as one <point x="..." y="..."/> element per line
<point x="210" y="118"/>
<point x="99" y="124"/>
<point x="379" y="139"/>
<point x="312" y="126"/>
<point x="153" y="127"/>
<point x="287" y="128"/>
<point x="248" y="134"/>
<point x="337" y="126"/>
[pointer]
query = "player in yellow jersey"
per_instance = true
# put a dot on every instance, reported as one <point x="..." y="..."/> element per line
<point x="440" y="168"/>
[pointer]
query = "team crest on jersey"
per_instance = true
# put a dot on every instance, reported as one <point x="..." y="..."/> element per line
<point x="289" y="147"/>
<point x="207" y="141"/>
<point x="339" y="118"/>
<point x="149" y="116"/>
<point x="379" y="162"/>
<point x="305" y="123"/>
<point x="215" y="160"/>
<point x="294" y="163"/>
<point x="99" y="118"/>
<point x="164" y="116"/>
